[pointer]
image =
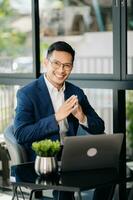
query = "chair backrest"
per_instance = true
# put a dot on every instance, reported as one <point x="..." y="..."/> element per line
<point x="16" y="151"/>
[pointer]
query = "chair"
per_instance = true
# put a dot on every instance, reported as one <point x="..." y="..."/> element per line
<point x="16" y="151"/>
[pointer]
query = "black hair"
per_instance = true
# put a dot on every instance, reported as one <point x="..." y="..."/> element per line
<point x="61" y="46"/>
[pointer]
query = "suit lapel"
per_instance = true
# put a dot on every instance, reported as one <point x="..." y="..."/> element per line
<point x="70" y="118"/>
<point x="43" y="94"/>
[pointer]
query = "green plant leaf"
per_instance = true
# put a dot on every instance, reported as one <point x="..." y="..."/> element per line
<point x="46" y="148"/>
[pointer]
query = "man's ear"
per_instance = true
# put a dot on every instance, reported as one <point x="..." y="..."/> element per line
<point x="44" y="65"/>
<point x="45" y="62"/>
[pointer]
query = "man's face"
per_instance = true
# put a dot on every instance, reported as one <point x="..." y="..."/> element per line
<point x="59" y="66"/>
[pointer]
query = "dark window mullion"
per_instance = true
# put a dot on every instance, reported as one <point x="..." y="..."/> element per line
<point x="36" y="37"/>
<point x="119" y="58"/>
<point x="119" y="126"/>
<point x="116" y="39"/>
<point x="123" y="39"/>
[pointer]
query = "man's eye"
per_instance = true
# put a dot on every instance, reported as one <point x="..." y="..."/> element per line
<point x="57" y="63"/>
<point x="68" y="66"/>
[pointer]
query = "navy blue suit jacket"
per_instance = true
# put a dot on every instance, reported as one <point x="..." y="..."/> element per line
<point x="35" y="119"/>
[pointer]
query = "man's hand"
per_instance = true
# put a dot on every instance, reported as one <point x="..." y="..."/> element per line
<point x="71" y="105"/>
<point x="67" y="108"/>
<point x="78" y="113"/>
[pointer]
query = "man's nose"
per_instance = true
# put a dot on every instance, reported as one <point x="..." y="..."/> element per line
<point x="61" y="67"/>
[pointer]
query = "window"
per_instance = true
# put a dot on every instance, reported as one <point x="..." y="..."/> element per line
<point x="7" y="105"/>
<point x="86" y="25"/>
<point x="102" y="102"/>
<point x="130" y="37"/>
<point x="16" y="37"/>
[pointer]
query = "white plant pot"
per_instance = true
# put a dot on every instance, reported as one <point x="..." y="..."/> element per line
<point x="45" y="165"/>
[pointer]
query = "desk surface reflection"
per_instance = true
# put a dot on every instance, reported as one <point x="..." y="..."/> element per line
<point x="76" y="181"/>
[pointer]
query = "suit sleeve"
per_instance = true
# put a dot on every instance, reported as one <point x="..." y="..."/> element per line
<point x="95" y="123"/>
<point x="27" y="129"/>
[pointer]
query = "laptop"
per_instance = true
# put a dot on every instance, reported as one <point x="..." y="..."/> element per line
<point x="91" y="152"/>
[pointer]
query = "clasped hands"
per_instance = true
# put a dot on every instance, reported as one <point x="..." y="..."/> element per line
<point x="70" y="106"/>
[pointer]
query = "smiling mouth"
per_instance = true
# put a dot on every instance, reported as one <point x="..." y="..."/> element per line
<point x="59" y="76"/>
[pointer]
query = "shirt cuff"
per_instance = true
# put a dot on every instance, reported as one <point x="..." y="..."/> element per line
<point x="85" y="123"/>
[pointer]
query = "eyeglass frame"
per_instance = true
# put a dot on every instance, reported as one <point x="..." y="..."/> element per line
<point x="59" y="64"/>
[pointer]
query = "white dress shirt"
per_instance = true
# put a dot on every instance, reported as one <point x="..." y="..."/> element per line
<point x="57" y="98"/>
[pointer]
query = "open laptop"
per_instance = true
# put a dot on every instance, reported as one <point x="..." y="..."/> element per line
<point x="91" y="152"/>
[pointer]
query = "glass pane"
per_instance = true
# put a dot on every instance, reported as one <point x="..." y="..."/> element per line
<point x="15" y="36"/>
<point x="7" y="105"/>
<point x="86" y="25"/>
<point x="130" y="37"/>
<point x="102" y="101"/>
<point x="129" y="123"/>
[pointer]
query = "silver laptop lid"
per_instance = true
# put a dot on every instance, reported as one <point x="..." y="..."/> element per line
<point x="91" y="152"/>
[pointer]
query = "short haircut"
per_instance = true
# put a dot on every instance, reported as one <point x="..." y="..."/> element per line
<point x="61" y="46"/>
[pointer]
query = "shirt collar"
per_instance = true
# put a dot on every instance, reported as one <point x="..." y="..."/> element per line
<point x="51" y="88"/>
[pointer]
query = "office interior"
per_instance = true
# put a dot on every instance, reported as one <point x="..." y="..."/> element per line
<point x="100" y="32"/>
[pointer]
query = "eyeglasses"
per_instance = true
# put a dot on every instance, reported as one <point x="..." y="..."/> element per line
<point x="57" y="64"/>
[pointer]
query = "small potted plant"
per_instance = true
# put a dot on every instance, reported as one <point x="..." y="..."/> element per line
<point x="46" y="151"/>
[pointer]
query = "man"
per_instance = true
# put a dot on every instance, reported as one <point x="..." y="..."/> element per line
<point x="51" y="107"/>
